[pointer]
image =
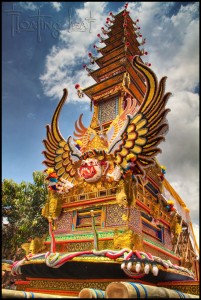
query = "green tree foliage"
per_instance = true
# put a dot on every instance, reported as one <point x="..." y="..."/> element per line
<point x="21" y="206"/>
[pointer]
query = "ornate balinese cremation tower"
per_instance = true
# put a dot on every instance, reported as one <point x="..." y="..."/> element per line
<point x="112" y="214"/>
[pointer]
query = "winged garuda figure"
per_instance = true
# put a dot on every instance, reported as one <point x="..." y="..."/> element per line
<point x="129" y="145"/>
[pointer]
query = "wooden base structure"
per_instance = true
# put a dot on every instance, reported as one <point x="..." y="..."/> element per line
<point x="73" y="288"/>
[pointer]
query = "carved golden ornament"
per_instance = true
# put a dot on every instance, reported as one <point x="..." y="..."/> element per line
<point x="97" y="143"/>
<point x="35" y="246"/>
<point x="95" y="259"/>
<point x="108" y="93"/>
<point x="186" y="263"/>
<point x="61" y="285"/>
<point x="155" y="209"/>
<point x="126" y="79"/>
<point x="94" y="120"/>
<point x="121" y="195"/>
<point x="26" y="246"/>
<point x="123" y="240"/>
<point x="128" y="239"/>
<point x="126" y="192"/>
<point x="178" y="229"/>
<point x="124" y="217"/>
<point x="53" y="206"/>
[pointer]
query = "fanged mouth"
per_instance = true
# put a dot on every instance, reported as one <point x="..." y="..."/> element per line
<point x="87" y="171"/>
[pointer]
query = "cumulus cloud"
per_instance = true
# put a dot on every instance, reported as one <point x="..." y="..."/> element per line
<point x="171" y="31"/>
<point x="28" y="5"/>
<point x="31" y="116"/>
<point x="56" y="5"/>
<point x="64" y="64"/>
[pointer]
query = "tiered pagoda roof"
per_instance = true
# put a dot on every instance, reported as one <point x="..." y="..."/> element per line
<point x="121" y="46"/>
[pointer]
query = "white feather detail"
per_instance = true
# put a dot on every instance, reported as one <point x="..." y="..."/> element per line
<point x="74" y="150"/>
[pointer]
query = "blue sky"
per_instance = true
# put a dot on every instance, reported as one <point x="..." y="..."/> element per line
<point x="38" y="62"/>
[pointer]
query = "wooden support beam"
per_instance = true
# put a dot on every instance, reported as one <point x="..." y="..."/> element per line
<point x="21" y="294"/>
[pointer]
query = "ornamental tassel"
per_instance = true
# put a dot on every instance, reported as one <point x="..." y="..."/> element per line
<point x="104" y="31"/>
<point x="107" y="24"/>
<point x="147" y="64"/>
<point x="135" y="22"/>
<point x="127" y="44"/>
<point x="142" y="42"/>
<point x="126" y="6"/>
<point x="97" y="48"/>
<point x="142" y="52"/>
<point x="110" y="21"/>
<point x="92" y="58"/>
<point x="100" y="38"/>
<point x="111" y="15"/>
<point x="87" y="69"/>
<point x="136" y="28"/>
<point x="138" y="34"/>
<point x="79" y="91"/>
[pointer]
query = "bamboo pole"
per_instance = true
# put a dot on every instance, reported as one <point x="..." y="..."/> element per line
<point x="94" y="230"/>
<point x="21" y="294"/>
<point x="138" y="290"/>
<point x="91" y="293"/>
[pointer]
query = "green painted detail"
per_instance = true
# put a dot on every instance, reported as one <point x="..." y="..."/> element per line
<point x="159" y="246"/>
<point x="83" y="236"/>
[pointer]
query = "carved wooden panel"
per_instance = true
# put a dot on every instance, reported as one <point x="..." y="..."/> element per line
<point x="108" y="110"/>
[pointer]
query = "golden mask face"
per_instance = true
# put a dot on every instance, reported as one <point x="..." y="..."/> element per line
<point x="90" y="170"/>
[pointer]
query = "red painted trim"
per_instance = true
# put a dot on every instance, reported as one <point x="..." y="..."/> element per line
<point x="189" y="282"/>
<point x="88" y="202"/>
<point x="164" y="222"/>
<point x="22" y="282"/>
<point x="154" y="183"/>
<point x="52" y="292"/>
<point x="161" y="250"/>
<point x="153" y="236"/>
<point x="75" y="241"/>
<point x="75" y="280"/>
<point x="139" y="203"/>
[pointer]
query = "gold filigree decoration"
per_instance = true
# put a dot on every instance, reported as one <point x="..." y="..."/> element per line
<point x="128" y="239"/>
<point x="53" y="206"/>
<point x="35" y="246"/>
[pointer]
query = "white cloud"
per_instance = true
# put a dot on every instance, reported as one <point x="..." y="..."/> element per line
<point x="31" y="116"/>
<point x="56" y="5"/>
<point x="60" y="64"/>
<point x="28" y="5"/>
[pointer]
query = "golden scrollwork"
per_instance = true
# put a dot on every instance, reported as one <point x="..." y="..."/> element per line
<point x="126" y="79"/>
<point x="128" y="239"/>
<point x="35" y="246"/>
<point x="155" y="209"/>
<point x="175" y="228"/>
<point x="53" y="206"/>
<point x="126" y="192"/>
